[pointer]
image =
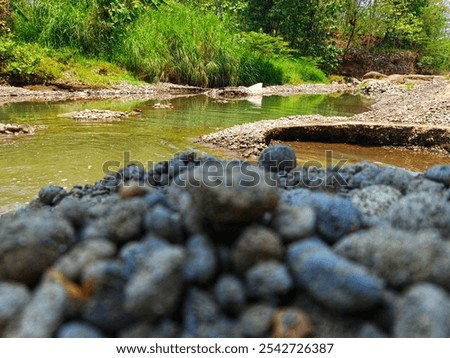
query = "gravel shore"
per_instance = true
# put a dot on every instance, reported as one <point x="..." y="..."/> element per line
<point x="9" y="94"/>
<point x="417" y="113"/>
<point x="200" y="247"/>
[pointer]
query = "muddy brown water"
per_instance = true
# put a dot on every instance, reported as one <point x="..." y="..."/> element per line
<point x="67" y="152"/>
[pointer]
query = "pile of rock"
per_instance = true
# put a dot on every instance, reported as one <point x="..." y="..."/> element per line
<point x="12" y="129"/>
<point x="96" y="115"/>
<point x="200" y="247"/>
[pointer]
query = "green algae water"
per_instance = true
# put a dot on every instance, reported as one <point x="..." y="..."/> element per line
<point x="68" y="152"/>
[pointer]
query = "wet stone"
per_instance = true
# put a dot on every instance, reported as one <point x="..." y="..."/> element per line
<point x="364" y="175"/>
<point x="163" y="222"/>
<point x="51" y="195"/>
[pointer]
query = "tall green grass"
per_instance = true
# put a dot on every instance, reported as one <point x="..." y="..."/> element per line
<point x="57" y="24"/>
<point x="181" y="45"/>
<point x="172" y="42"/>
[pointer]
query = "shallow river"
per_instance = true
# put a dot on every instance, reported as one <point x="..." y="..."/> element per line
<point x="68" y="152"/>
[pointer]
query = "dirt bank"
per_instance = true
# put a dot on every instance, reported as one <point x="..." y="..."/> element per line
<point x="408" y="113"/>
<point x="9" y="94"/>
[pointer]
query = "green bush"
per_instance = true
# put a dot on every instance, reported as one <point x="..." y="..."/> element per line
<point x="19" y="62"/>
<point x="436" y="57"/>
<point x="300" y="70"/>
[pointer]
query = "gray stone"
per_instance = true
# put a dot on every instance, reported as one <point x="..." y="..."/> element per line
<point x="399" y="257"/>
<point x="104" y="307"/>
<point x="424" y="311"/>
<point x="278" y="158"/>
<point x="439" y="173"/>
<point x="231" y="193"/>
<point x="13" y="298"/>
<point x="257" y="243"/>
<point x="422" y="184"/>
<point x="120" y="223"/>
<point x="257" y="320"/>
<point x="364" y="174"/>
<point x="375" y="200"/>
<point x="369" y="330"/>
<point x="78" y="329"/>
<point x="336" y="216"/>
<point x="267" y="280"/>
<point x="395" y="177"/>
<point x="82" y="255"/>
<point x="199" y="309"/>
<point x="332" y="280"/>
<point x="164" y="223"/>
<point x="30" y="244"/>
<point x="51" y="195"/>
<point x="230" y="294"/>
<point x="201" y="261"/>
<point x="44" y="313"/>
<point x="154" y="291"/>
<point x="294" y="222"/>
<point x="421" y="210"/>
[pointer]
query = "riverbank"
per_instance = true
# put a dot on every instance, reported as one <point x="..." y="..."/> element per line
<point x="10" y="94"/>
<point x="413" y="113"/>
